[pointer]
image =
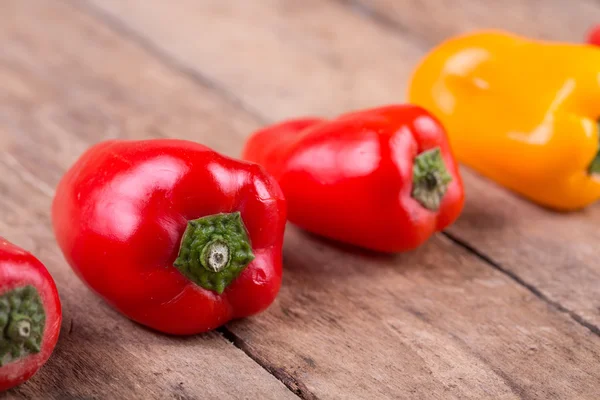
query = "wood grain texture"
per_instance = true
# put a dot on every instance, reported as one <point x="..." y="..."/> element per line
<point x="367" y="54"/>
<point x="552" y="253"/>
<point x="67" y="81"/>
<point x="431" y="21"/>
<point x="436" y="323"/>
<point x="432" y="324"/>
<point x="287" y="57"/>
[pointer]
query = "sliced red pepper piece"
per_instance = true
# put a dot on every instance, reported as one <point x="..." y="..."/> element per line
<point x="172" y="234"/>
<point x="384" y="179"/>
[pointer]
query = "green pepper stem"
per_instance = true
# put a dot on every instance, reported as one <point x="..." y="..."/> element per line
<point x="19" y="329"/>
<point x="214" y="250"/>
<point x="430" y="179"/>
<point x="215" y="255"/>
<point x="594" y="167"/>
<point x="22" y="320"/>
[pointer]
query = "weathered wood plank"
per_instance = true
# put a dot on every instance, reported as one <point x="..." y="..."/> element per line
<point x="68" y="81"/>
<point x="288" y="57"/>
<point x="434" y="20"/>
<point x="437" y="322"/>
<point x="555" y="254"/>
<point x="372" y="67"/>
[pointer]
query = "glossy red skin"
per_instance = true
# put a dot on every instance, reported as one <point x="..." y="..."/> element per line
<point x="593" y="36"/>
<point x="119" y="215"/>
<point x="350" y="179"/>
<point x="19" y="268"/>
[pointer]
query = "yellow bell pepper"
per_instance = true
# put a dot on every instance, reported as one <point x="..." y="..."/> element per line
<point x="521" y="112"/>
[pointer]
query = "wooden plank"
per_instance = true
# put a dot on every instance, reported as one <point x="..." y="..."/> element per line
<point x="553" y="253"/>
<point x="297" y="59"/>
<point x="437" y="322"/>
<point x="67" y="82"/>
<point x="362" y="52"/>
<point x="434" y="20"/>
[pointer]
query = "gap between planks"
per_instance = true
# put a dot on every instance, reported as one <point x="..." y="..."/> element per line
<point x="206" y="82"/>
<point x="516" y="278"/>
<point x="295" y="386"/>
<point x="193" y="74"/>
<point x="382" y="20"/>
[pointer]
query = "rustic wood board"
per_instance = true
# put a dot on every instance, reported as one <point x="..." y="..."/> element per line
<point x="433" y="20"/>
<point x="488" y="312"/>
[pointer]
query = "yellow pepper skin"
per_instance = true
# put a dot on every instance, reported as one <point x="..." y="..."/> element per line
<point x="521" y="112"/>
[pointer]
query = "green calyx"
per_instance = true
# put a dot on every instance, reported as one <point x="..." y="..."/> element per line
<point x="22" y="320"/>
<point x="214" y="250"/>
<point x="430" y="179"/>
<point x="594" y="168"/>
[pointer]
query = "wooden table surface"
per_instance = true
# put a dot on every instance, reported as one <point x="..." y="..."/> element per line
<point x="504" y="305"/>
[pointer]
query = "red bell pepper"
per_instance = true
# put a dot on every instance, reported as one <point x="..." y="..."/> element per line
<point x="30" y="315"/>
<point x="383" y="179"/>
<point x="172" y="234"/>
<point x="593" y="36"/>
